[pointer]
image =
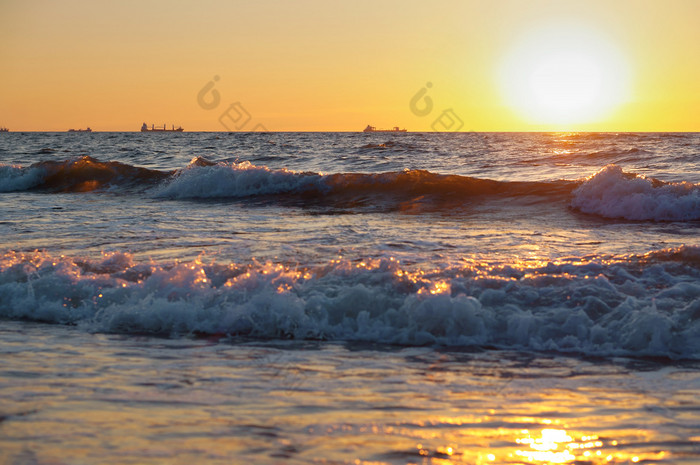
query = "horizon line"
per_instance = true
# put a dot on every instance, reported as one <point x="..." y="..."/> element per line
<point x="357" y="131"/>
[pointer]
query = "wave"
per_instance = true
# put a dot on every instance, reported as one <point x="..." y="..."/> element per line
<point x="612" y="193"/>
<point x="204" y="179"/>
<point x="601" y="306"/>
<point x="81" y="174"/>
<point x="15" y="178"/>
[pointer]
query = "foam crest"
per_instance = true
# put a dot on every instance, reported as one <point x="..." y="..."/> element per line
<point x="604" y="307"/>
<point x="15" y="178"/>
<point x="686" y="254"/>
<point x="614" y="194"/>
<point x="202" y="179"/>
<point x="205" y="179"/>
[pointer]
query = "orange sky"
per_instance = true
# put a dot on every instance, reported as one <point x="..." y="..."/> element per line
<point x="337" y="66"/>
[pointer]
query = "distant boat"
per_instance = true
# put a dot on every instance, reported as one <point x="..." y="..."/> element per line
<point x="4" y="129"/>
<point x="154" y="128"/>
<point x="80" y="130"/>
<point x="374" y="129"/>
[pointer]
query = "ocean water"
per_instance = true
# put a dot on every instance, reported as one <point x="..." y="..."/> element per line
<point x="349" y="298"/>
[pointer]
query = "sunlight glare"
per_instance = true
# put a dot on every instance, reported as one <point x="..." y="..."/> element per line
<point x="563" y="75"/>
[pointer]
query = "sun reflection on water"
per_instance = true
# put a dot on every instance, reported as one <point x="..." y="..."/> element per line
<point x="550" y="444"/>
<point x="545" y="448"/>
<point x="553" y="445"/>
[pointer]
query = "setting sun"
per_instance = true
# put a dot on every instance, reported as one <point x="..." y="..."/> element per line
<point x="504" y="65"/>
<point x="564" y="75"/>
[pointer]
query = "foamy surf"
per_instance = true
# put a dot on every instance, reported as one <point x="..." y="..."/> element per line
<point x="594" y="306"/>
<point x="613" y="193"/>
<point x="610" y="193"/>
<point x="203" y="179"/>
<point x="15" y="178"/>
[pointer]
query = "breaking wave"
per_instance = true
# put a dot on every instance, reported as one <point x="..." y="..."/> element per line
<point x="82" y="174"/>
<point x="646" y="305"/>
<point x="613" y="193"/>
<point x="610" y="193"/>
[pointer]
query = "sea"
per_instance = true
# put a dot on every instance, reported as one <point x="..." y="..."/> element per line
<point x="349" y="298"/>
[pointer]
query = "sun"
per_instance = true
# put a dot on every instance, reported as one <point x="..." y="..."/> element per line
<point x="563" y="75"/>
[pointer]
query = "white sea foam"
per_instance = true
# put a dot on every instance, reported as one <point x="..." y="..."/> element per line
<point x="593" y="307"/>
<point x="236" y="180"/>
<point x="15" y="178"/>
<point x="614" y="194"/>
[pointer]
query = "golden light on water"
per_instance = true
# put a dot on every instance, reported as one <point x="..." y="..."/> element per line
<point x="552" y="443"/>
<point x="546" y="447"/>
<point x="558" y="446"/>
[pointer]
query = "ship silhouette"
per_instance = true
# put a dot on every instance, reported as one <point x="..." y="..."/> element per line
<point x="374" y="129"/>
<point x="154" y="128"/>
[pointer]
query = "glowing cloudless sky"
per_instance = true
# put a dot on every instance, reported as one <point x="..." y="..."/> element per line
<point x="312" y="65"/>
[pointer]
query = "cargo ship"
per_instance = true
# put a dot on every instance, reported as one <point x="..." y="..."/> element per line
<point x="4" y="129"/>
<point x="154" y="128"/>
<point x="374" y="129"/>
<point x="80" y="130"/>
